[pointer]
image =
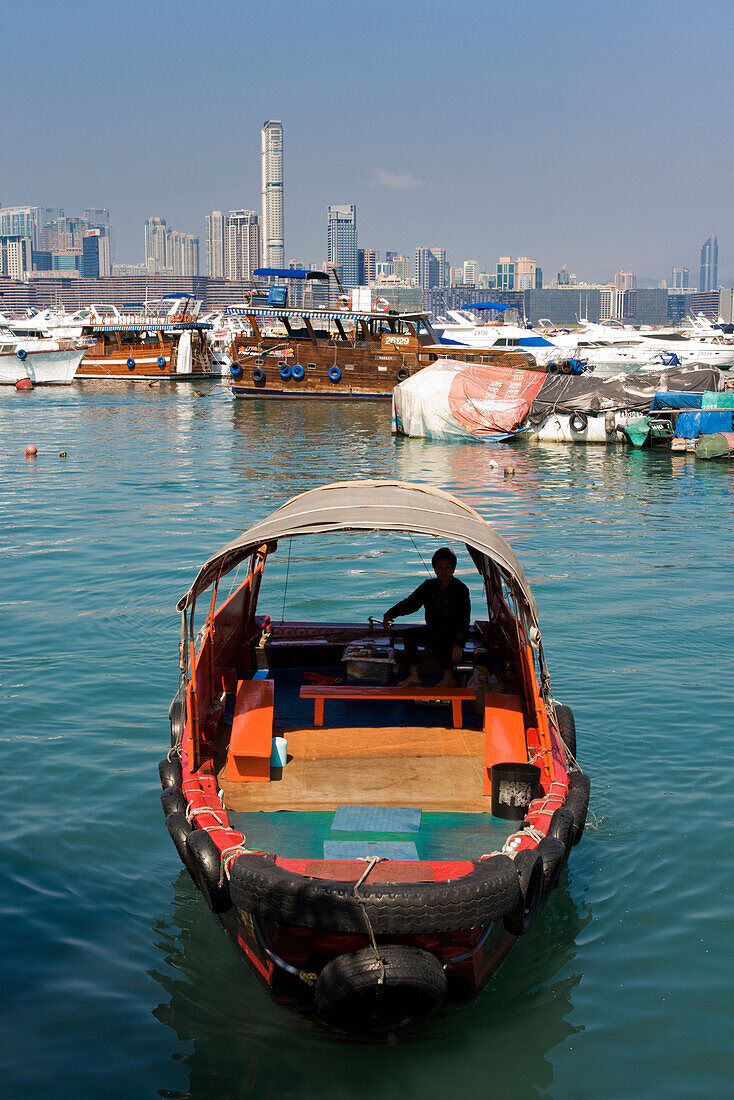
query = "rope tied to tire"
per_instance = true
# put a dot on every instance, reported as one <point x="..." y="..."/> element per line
<point x="373" y="861"/>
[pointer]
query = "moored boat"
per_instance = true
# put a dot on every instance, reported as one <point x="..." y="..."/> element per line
<point x="380" y="863"/>
<point x="37" y="356"/>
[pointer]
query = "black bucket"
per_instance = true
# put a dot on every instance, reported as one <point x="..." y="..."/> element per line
<point x="514" y="786"/>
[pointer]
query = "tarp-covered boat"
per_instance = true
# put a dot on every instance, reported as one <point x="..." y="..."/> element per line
<point x="455" y="400"/>
<point x="386" y="860"/>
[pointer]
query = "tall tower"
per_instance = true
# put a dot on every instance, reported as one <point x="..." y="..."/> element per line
<point x="215" y="234"/>
<point x="709" y="278"/>
<point x="273" y="240"/>
<point x="342" y="243"/>
<point x="242" y="245"/>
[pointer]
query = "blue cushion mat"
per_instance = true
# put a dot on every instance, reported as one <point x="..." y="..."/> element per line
<point x="376" y="819"/>
<point x="365" y="849"/>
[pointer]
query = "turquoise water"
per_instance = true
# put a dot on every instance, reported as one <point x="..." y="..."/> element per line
<point x="118" y="982"/>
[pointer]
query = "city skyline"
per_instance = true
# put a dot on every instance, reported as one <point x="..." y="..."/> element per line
<point x="570" y="140"/>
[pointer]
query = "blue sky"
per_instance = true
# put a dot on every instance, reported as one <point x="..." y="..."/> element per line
<point x="595" y="135"/>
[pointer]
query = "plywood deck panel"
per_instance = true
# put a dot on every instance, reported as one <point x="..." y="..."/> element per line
<point x="433" y="783"/>
<point x="315" y="744"/>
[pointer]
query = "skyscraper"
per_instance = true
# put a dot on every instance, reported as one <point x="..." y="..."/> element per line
<point x="273" y="240"/>
<point x="709" y="278"/>
<point x="215" y="234"/>
<point x="96" y="253"/>
<point x="681" y="278"/>
<point x="242" y="245"/>
<point x="430" y="267"/>
<point x="155" y="245"/>
<point x="342" y="243"/>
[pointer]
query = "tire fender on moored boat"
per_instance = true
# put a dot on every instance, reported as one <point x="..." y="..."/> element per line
<point x="207" y="873"/>
<point x="364" y="995"/>
<point x="173" y="801"/>
<point x="170" y="772"/>
<point x="529" y="867"/>
<point x="577" y="801"/>
<point x="561" y="827"/>
<point x="553" y="854"/>
<point x="179" y="828"/>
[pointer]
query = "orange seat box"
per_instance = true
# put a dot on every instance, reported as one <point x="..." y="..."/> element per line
<point x="504" y="734"/>
<point x="251" y="742"/>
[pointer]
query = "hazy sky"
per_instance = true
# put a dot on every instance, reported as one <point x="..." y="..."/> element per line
<point x="580" y="133"/>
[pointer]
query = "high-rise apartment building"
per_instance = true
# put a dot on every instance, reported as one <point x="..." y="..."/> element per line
<point x="273" y="239"/>
<point x="215" y="235"/>
<point x="431" y="269"/>
<point x="709" y="277"/>
<point x="242" y="245"/>
<point x="182" y="253"/>
<point x="471" y="272"/>
<point x="20" y="221"/>
<point x="342" y="243"/>
<point x="16" y="256"/>
<point x="366" y="265"/>
<point x="681" y="278"/>
<point x="155" y="245"/>
<point x="96" y="253"/>
<point x="506" y="273"/>
<point x="528" y="276"/>
<point x="625" y="280"/>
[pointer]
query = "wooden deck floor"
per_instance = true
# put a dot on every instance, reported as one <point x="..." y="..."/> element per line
<point x="436" y="769"/>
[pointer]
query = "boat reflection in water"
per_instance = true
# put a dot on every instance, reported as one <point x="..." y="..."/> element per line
<point x="235" y="1041"/>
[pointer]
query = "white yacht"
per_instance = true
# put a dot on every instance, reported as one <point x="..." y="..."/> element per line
<point x="38" y="354"/>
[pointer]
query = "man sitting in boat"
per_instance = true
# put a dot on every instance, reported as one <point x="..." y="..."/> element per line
<point x="448" y="616"/>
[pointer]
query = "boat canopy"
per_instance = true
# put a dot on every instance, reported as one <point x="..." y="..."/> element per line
<point x="274" y="312"/>
<point x="486" y="305"/>
<point x="369" y="506"/>
<point x="288" y="273"/>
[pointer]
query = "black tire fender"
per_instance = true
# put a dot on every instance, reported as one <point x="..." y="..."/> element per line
<point x="577" y="801"/>
<point x="561" y="827"/>
<point x="179" y="828"/>
<point x="487" y="893"/>
<point x="207" y="862"/>
<point x="169" y="772"/>
<point x="553" y="854"/>
<point x="578" y="422"/>
<point x="173" y="801"/>
<point x="567" y="727"/>
<point x="177" y="715"/>
<point x="529" y="867"/>
<point x="362" y="995"/>
<point x="402" y="374"/>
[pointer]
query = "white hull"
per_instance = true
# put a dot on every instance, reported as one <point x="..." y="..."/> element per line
<point x="44" y="368"/>
<point x="601" y="428"/>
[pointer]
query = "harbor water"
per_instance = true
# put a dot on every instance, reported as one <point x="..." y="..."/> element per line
<point x="119" y="982"/>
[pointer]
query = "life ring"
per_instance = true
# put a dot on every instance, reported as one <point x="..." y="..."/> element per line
<point x="21" y="353"/>
<point x="258" y="376"/>
<point x="344" y="301"/>
<point x="285" y="372"/>
<point x="297" y="372"/>
<point x="529" y="867"/>
<point x="374" y="997"/>
<point x="381" y="305"/>
<point x="235" y="370"/>
<point x="161" y="361"/>
<point x="131" y="363"/>
<point x="402" y="374"/>
<point x="207" y="873"/>
<point x="578" y="422"/>
<point x="334" y="374"/>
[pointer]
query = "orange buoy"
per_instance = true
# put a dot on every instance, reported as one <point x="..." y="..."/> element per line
<point x="24" y="384"/>
<point x="31" y="451"/>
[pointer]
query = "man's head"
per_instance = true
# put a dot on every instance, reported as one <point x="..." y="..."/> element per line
<point x="444" y="563"/>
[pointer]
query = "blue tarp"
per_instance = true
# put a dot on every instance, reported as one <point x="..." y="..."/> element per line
<point x="692" y="424"/>
<point x="485" y="305"/>
<point x="676" y="399"/>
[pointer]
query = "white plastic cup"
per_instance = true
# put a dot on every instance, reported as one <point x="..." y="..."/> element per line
<point x="279" y="754"/>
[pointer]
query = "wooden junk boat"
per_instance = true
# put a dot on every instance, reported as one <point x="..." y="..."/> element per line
<point x="310" y="350"/>
<point x="387" y="858"/>
<point x="164" y="340"/>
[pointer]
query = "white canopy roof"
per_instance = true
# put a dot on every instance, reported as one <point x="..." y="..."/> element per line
<point x="369" y="506"/>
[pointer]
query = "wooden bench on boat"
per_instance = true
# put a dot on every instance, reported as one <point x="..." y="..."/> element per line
<point x="321" y="692"/>
<point x="251" y="740"/>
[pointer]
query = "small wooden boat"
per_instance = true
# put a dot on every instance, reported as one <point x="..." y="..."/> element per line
<point x="386" y="859"/>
